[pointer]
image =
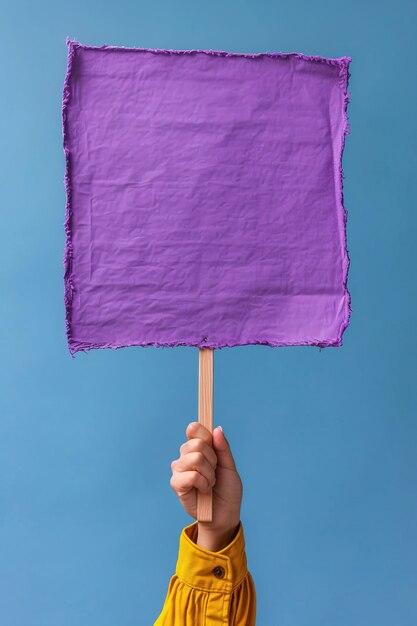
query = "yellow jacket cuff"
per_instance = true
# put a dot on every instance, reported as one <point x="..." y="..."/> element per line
<point x="211" y="571"/>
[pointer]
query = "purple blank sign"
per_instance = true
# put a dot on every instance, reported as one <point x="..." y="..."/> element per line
<point x="204" y="198"/>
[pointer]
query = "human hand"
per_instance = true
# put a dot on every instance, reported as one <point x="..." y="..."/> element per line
<point x="206" y="462"/>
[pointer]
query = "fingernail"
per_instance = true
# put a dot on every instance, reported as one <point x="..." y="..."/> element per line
<point x="220" y="428"/>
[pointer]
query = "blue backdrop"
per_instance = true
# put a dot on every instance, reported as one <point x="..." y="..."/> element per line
<point x="325" y="441"/>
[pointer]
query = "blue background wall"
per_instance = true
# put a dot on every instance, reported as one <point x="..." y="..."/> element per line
<point x="325" y="441"/>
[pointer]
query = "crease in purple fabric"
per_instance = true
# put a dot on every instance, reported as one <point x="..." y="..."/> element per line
<point x="204" y="198"/>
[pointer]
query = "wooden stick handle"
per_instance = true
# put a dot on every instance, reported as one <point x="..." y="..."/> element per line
<point x="205" y="417"/>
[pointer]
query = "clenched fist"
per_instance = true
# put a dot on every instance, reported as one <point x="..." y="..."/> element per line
<point x="206" y="462"/>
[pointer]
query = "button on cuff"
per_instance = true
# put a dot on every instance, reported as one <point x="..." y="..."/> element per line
<point x="218" y="571"/>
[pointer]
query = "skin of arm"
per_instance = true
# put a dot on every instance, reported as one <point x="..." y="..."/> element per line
<point x="206" y="462"/>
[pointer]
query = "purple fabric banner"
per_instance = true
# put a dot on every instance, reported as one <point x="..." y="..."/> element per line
<point x="204" y="198"/>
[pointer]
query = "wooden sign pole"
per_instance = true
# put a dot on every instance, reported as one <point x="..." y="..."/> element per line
<point x="205" y="417"/>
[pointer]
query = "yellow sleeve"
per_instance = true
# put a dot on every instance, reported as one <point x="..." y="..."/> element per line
<point x="210" y="588"/>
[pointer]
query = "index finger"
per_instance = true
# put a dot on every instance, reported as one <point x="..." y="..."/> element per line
<point x="195" y="429"/>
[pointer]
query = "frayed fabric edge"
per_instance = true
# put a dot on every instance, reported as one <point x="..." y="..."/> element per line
<point x="81" y="346"/>
<point x="340" y="61"/>
<point x="344" y="76"/>
<point x="68" y="251"/>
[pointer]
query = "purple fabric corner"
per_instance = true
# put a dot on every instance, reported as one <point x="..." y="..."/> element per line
<point x="204" y="198"/>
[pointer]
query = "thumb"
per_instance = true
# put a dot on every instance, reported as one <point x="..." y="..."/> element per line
<point x="222" y="449"/>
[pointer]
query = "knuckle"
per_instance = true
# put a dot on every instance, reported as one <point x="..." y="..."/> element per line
<point x="198" y="445"/>
<point x="193" y="445"/>
<point x="199" y="458"/>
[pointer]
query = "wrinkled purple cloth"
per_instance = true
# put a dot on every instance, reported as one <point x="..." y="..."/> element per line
<point x="204" y="198"/>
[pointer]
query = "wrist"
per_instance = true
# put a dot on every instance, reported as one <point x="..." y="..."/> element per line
<point x="216" y="539"/>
